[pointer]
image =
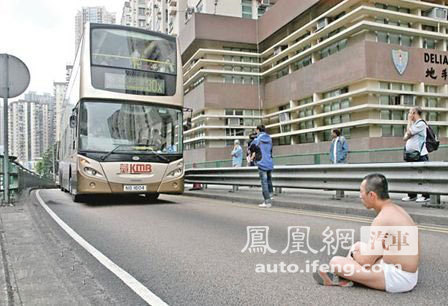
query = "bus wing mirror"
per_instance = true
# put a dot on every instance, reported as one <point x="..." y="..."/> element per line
<point x="73" y="121"/>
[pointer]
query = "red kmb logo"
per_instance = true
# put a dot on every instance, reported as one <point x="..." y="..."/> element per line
<point x="135" y="168"/>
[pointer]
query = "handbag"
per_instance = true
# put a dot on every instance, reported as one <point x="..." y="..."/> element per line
<point x="412" y="156"/>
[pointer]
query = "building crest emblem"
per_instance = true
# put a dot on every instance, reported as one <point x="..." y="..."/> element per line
<point x="400" y="59"/>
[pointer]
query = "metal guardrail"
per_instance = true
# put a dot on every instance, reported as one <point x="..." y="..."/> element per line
<point x="317" y="158"/>
<point x="21" y="178"/>
<point x="419" y="177"/>
<point x="28" y="179"/>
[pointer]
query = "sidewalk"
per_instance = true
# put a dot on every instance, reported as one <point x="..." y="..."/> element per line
<point x="36" y="267"/>
<point x="323" y="201"/>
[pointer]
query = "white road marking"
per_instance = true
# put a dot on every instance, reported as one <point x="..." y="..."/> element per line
<point x="128" y="279"/>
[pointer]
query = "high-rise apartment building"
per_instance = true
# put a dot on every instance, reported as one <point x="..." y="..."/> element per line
<point x="95" y="14"/>
<point x="31" y="126"/>
<point x="307" y="67"/>
<point x="154" y="15"/>
<point x="170" y="16"/>
<point x="59" y="89"/>
<point x="135" y="14"/>
<point x="1" y="129"/>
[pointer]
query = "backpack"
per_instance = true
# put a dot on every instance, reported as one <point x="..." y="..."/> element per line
<point x="432" y="142"/>
<point x="255" y="148"/>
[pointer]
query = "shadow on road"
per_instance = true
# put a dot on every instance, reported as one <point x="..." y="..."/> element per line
<point x="114" y="200"/>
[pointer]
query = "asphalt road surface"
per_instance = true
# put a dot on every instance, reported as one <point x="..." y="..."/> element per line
<point x="195" y="251"/>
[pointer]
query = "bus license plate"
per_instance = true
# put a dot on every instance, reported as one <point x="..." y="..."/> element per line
<point x="134" y="187"/>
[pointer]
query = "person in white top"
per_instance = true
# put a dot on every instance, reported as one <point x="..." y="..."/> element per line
<point x="415" y="138"/>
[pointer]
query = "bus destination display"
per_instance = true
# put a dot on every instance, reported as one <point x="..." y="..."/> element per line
<point x="134" y="83"/>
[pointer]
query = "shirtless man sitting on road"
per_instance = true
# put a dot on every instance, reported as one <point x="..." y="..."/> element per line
<point x="381" y="271"/>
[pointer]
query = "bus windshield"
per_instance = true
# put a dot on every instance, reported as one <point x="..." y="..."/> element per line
<point x="133" y="50"/>
<point x="148" y="129"/>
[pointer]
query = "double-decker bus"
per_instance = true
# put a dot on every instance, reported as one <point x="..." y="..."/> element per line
<point x="121" y="129"/>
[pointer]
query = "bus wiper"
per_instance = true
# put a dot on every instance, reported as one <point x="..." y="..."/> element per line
<point x="152" y="151"/>
<point x="112" y="151"/>
<point x="134" y="145"/>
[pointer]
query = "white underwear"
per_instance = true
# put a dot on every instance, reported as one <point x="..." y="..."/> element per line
<point x="397" y="280"/>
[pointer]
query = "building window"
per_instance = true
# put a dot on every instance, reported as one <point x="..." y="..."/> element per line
<point x="247" y="8"/>
<point x="397" y="39"/>
<point x="429" y="43"/>
<point x="284" y="140"/>
<point x="234" y="132"/>
<point x="429" y="28"/>
<point x="306" y="125"/>
<point x="301" y="63"/>
<point x="234" y="112"/>
<point x="306" y="138"/>
<point x="334" y="48"/>
<point x="431" y="102"/>
<point x="392" y="130"/>
<point x="393" y="115"/>
<point x="397" y="86"/>
<point x="432" y="116"/>
<point x="234" y="121"/>
<point x="141" y="11"/>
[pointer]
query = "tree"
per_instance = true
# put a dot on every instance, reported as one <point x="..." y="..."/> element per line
<point x="40" y="167"/>
<point x="46" y="169"/>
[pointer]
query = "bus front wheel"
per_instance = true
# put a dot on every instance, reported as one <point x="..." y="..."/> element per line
<point x="152" y="196"/>
<point x="77" y="198"/>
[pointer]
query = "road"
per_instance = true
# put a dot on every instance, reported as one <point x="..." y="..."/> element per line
<point x="189" y="251"/>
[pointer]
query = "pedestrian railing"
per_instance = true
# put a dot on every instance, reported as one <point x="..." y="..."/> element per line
<point x="418" y="177"/>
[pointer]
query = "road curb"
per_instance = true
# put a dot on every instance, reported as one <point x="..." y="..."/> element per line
<point x="419" y="218"/>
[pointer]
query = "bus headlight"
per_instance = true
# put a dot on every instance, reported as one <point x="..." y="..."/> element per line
<point x="92" y="172"/>
<point x="176" y="172"/>
<point x="87" y="168"/>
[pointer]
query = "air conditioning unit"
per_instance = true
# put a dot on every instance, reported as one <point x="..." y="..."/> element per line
<point x="437" y="13"/>
<point x="264" y="2"/>
<point x="283" y="117"/>
<point x="277" y="50"/>
<point x="322" y="23"/>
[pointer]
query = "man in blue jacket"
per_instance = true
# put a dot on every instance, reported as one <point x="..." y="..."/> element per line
<point x="338" y="148"/>
<point x="261" y="149"/>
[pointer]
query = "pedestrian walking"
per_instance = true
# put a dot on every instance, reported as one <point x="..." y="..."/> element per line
<point x="237" y="154"/>
<point x="261" y="151"/>
<point x="415" y="149"/>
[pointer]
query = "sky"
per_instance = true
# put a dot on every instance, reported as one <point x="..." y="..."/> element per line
<point x="42" y="34"/>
